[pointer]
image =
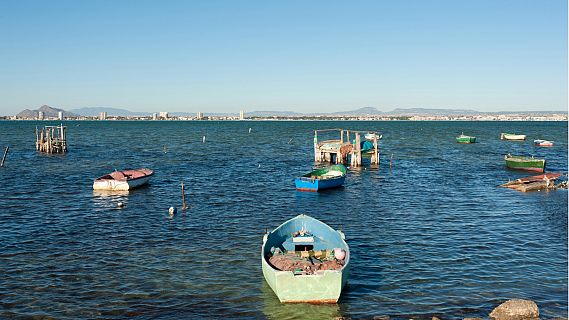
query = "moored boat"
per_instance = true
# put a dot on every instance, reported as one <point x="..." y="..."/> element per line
<point x="372" y="136"/>
<point x="305" y="260"/>
<point x="543" y="143"/>
<point x="540" y="182"/>
<point x="465" y="139"/>
<point x="511" y="136"/>
<point x="320" y="179"/>
<point x="525" y="163"/>
<point x="123" y="180"/>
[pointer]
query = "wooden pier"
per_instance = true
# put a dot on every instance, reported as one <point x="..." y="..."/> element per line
<point x="344" y="149"/>
<point x="51" y="139"/>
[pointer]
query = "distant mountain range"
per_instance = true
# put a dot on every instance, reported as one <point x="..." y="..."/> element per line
<point x="365" y="111"/>
<point x="48" y="112"/>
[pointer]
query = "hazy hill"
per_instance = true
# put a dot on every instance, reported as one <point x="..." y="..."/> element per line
<point x="48" y="112"/>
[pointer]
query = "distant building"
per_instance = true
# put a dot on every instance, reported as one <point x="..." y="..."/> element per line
<point x="164" y="114"/>
<point x="60" y="115"/>
<point x="155" y="116"/>
<point x="241" y="115"/>
<point x="41" y="115"/>
<point x="199" y="115"/>
<point x="102" y="115"/>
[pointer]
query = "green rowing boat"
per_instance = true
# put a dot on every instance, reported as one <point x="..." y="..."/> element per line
<point x="525" y="163"/>
<point x="465" y="139"/>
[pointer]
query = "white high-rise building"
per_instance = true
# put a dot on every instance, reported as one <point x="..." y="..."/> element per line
<point x="241" y="115"/>
<point x="41" y="115"/>
<point x="199" y="115"/>
<point x="102" y="115"/>
<point x="164" y="114"/>
<point x="155" y="116"/>
<point x="60" y="115"/>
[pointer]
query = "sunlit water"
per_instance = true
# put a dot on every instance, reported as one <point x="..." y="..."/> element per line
<point x="432" y="236"/>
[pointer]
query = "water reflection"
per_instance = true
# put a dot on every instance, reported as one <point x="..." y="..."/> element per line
<point x="103" y="199"/>
<point x="274" y="309"/>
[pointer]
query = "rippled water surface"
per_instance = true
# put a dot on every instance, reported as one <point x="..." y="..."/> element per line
<point x="431" y="236"/>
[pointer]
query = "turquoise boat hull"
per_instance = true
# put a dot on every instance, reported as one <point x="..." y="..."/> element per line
<point x="322" y="179"/>
<point x="325" y="286"/>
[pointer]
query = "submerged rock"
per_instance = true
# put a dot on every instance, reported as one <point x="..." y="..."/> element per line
<point x="516" y="309"/>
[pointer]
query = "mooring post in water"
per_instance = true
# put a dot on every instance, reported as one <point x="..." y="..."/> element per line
<point x="184" y="207"/>
<point x="165" y="148"/>
<point x="4" y="157"/>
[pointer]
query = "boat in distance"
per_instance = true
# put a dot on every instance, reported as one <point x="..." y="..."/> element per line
<point x="305" y="261"/>
<point x="465" y="139"/>
<point x="543" y="143"/>
<point x="511" y="136"/>
<point x="123" y="180"/>
<point x="525" y="163"/>
<point x="321" y="179"/>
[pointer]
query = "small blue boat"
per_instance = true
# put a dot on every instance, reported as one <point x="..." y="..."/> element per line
<point x="321" y="179"/>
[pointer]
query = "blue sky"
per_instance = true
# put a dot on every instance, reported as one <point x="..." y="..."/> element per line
<point x="313" y="56"/>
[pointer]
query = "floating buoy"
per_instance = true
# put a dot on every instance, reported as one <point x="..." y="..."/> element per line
<point x="259" y="165"/>
<point x="249" y="130"/>
<point x="120" y="205"/>
<point x="203" y="139"/>
<point x="172" y="211"/>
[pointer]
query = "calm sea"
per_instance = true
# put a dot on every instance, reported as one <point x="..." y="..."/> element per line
<point x="432" y="236"/>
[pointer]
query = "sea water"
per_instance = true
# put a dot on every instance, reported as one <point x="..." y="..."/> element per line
<point x="429" y="230"/>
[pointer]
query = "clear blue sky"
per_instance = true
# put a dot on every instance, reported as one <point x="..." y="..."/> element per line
<point x="313" y="56"/>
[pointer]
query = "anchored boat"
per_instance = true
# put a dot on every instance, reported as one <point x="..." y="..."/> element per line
<point x="511" y="136"/>
<point x="525" y="163"/>
<point x="543" y="143"/>
<point x="540" y="182"/>
<point x="465" y="139"/>
<point x="305" y="260"/>
<point x="123" y="180"/>
<point x="320" y="179"/>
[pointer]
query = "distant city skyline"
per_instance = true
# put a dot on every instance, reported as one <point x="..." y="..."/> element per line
<point x="317" y="56"/>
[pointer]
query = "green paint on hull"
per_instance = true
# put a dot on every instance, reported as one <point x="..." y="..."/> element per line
<point x="465" y="139"/>
<point x="525" y="163"/>
<point x="323" y="287"/>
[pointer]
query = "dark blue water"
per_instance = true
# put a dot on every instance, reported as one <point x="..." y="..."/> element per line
<point x="432" y="236"/>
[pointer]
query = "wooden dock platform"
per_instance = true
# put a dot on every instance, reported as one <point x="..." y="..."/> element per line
<point x="346" y="150"/>
<point x="51" y="139"/>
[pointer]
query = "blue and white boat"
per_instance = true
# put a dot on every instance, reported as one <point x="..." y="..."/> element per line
<point x="321" y="179"/>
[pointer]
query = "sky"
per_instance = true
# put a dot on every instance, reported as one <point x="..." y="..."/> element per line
<point x="294" y="55"/>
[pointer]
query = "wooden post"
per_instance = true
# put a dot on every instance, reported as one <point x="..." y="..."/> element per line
<point x="316" y="153"/>
<point x="4" y="157"/>
<point x="37" y="139"/>
<point x="358" y="150"/>
<point x="184" y="207"/>
<point x="375" y="158"/>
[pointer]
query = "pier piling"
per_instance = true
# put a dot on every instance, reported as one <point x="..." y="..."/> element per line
<point x="4" y="157"/>
<point x="52" y="139"/>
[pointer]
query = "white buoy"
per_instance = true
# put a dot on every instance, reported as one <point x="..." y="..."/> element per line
<point x="259" y="165"/>
<point x="120" y="205"/>
<point x="249" y="130"/>
<point x="203" y="139"/>
<point x="172" y="211"/>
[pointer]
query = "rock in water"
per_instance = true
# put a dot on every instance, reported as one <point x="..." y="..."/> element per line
<point x="516" y="309"/>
